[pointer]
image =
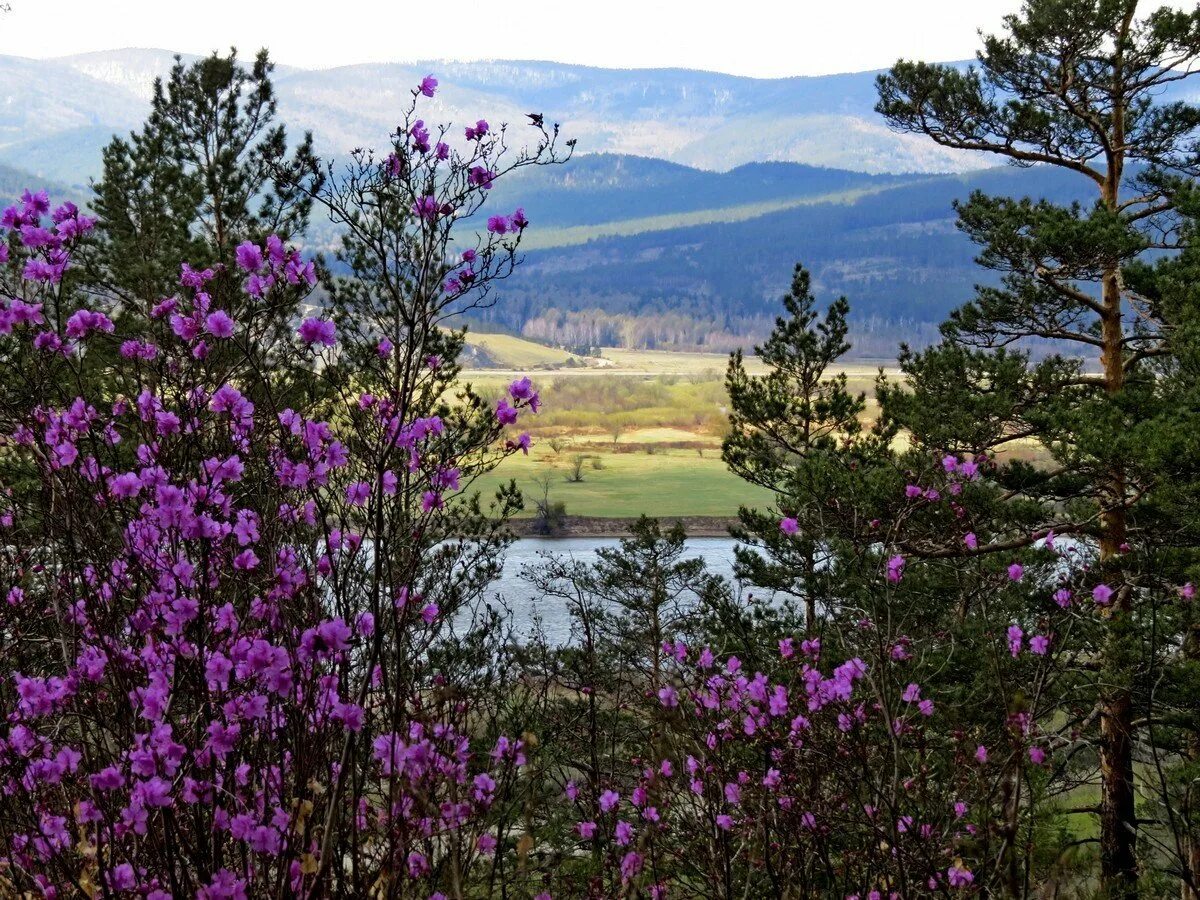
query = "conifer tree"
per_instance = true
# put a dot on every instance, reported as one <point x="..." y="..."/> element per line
<point x="796" y="431"/>
<point x="208" y="170"/>
<point x="1080" y="86"/>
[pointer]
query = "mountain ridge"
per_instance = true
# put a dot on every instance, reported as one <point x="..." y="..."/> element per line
<point x="707" y="120"/>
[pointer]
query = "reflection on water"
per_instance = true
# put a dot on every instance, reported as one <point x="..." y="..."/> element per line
<point x="526" y="605"/>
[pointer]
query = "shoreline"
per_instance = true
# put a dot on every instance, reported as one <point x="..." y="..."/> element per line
<point x="601" y="527"/>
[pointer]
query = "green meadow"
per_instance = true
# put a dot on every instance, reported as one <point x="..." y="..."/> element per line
<point x="628" y="481"/>
<point x="635" y="431"/>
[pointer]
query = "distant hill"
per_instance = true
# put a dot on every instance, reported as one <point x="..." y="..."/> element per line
<point x="702" y="119"/>
<point x="895" y="253"/>
<point x="14" y="181"/>
<point x="607" y="187"/>
<point x="677" y="223"/>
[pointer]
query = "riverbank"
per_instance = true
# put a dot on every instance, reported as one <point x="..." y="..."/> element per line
<point x="616" y="527"/>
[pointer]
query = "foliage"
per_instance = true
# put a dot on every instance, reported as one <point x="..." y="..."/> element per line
<point x="1077" y="87"/>
<point x="234" y="627"/>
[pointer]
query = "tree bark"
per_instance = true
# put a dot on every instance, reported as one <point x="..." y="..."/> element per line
<point x="1118" y="814"/>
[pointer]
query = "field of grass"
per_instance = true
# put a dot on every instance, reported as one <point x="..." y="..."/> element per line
<point x="516" y="353"/>
<point x="650" y="424"/>
<point x="666" y="483"/>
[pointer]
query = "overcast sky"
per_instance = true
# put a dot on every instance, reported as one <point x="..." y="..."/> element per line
<point x="764" y="38"/>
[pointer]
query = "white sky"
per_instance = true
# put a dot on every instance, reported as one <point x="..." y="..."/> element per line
<point x="765" y="38"/>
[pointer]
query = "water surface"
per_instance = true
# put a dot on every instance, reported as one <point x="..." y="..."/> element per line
<point x="525" y="603"/>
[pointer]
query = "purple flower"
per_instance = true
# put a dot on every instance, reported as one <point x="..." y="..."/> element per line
<point x="420" y="136"/>
<point x="631" y="864"/>
<point x="521" y="389"/>
<point x="479" y="130"/>
<point x="1102" y="594"/>
<point x="85" y="321"/>
<point x="1016" y="572"/>
<point x="623" y="834"/>
<point x="219" y="324"/>
<point x="1016" y="640"/>
<point x="958" y="876"/>
<point x="249" y="256"/>
<point x="428" y="85"/>
<point x="1039" y="644"/>
<point x="426" y="208"/>
<point x="313" y="331"/>
<point x="481" y="177"/>
<point x="122" y="878"/>
<point x="505" y="413"/>
<point x="789" y="525"/>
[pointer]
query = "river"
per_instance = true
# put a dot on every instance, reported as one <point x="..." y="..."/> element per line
<point x="520" y="595"/>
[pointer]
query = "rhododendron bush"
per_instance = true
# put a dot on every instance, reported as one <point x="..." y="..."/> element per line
<point x="228" y="566"/>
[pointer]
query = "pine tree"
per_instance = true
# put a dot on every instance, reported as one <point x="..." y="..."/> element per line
<point x="209" y="169"/>
<point x="796" y="431"/>
<point x="1074" y="85"/>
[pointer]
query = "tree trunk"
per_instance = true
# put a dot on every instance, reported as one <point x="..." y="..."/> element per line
<point x="1190" y="884"/>
<point x="1118" y="821"/>
<point x="1118" y="815"/>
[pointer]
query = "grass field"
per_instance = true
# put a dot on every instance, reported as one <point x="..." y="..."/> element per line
<point x="667" y="483"/>
<point x="649" y="422"/>
<point x="516" y="353"/>
<point x="518" y="356"/>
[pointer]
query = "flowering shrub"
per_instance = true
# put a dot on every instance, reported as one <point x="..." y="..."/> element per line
<point x="226" y="582"/>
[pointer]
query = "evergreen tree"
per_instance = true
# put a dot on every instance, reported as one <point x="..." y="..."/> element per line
<point x="796" y="431"/>
<point x="1074" y="85"/>
<point x="208" y="170"/>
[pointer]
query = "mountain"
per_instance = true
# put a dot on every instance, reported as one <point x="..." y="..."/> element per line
<point x="60" y="112"/>
<point x="894" y="252"/>
<point x="14" y="181"/>
<point x="606" y="187"/>
<point x="677" y="223"/>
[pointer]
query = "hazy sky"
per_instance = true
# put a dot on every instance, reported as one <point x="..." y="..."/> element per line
<point x="746" y="37"/>
<point x="764" y="38"/>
